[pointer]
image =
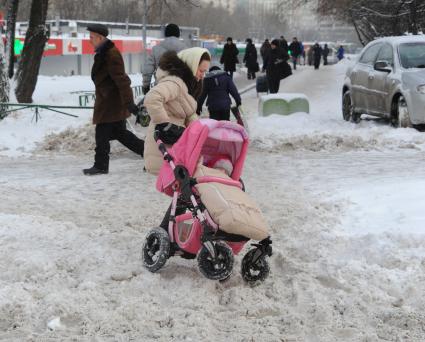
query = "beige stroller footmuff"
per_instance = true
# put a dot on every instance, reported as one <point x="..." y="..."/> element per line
<point x="230" y="207"/>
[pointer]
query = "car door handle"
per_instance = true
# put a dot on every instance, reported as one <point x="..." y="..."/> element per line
<point x="371" y="76"/>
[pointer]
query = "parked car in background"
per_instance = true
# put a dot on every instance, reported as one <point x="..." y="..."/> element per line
<point x="388" y="80"/>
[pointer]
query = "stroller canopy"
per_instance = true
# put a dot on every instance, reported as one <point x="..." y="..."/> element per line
<point x="209" y="139"/>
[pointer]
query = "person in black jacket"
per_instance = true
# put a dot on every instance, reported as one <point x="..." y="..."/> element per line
<point x="217" y="86"/>
<point x="317" y="53"/>
<point x="295" y="49"/>
<point x="250" y="59"/>
<point x="276" y="66"/>
<point x="283" y="44"/>
<point x="265" y="50"/>
<point x="325" y="54"/>
<point x="229" y="57"/>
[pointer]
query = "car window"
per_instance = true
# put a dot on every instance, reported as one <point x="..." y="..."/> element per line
<point x="386" y="54"/>
<point x="369" y="56"/>
<point x="412" y="55"/>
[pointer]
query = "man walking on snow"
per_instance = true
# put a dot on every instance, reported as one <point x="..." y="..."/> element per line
<point x="114" y="101"/>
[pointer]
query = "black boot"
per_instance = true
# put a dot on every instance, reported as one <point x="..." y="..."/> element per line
<point x="94" y="171"/>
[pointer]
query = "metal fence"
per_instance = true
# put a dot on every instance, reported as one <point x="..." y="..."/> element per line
<point x="7" y="107"/>
<point x="86" y="97"/>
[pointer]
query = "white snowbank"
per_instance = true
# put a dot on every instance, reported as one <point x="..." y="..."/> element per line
<point x="20" y="133"/>
<point x="343" y="201"/>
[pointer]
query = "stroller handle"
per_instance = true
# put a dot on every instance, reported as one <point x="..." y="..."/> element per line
<point x="162" y="148"/>
<point x="156" y="135"/>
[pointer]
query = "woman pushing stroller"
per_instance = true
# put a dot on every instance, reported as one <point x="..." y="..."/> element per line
<point x="174" y="99"/>
<point x="204" y="150"/>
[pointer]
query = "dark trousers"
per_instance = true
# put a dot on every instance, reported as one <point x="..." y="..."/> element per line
<point x="223" y="114"/>
<point x="274" y="84"/>
<point x="105" y="132"/>
<point x="294" y="61"/>
<point x="251" y="74"/>
<point x="325" y="60"/>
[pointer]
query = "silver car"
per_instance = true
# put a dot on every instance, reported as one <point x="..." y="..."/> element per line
<point x="388" y="80"/>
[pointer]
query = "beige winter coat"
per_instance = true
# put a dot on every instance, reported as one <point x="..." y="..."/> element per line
<point x="168" y="101"/>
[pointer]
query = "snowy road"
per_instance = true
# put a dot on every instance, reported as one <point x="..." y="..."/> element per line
<point x="344" y="202"/>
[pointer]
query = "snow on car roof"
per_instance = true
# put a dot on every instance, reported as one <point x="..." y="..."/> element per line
<point x="401" y="39"/>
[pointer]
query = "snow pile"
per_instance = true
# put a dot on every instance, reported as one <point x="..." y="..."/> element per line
<point x="314" y="133"/>
<point x="81" y="265"/>
<point x="80" y="140"/>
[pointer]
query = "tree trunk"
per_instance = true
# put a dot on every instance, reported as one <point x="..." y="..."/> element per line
<point x="35" y="40"/>
<point x="12" y="11"/>
<point x="4" y="80"/>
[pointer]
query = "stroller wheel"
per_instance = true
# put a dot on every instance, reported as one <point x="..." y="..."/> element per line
<point x="156" y="249"/>
<point x="253" y="272"/>
<point x="219" y="268"/>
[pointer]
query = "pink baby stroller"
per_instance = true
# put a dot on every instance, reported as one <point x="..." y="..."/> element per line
<point x="191" y="230"/>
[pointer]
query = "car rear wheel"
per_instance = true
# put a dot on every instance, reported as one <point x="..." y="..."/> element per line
<point x="347" y="106"/>
<point x="348" y="112"/>
<point x="400" y="116"/>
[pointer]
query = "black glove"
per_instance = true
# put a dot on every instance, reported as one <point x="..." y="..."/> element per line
<point x="168" y="132"/>
<point x="145" y="90"/>
<point x="133" y="109"/>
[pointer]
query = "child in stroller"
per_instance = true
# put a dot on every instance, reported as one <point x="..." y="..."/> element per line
<point x="210" y="217"/>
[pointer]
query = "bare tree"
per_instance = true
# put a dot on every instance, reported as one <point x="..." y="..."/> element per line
<point x="7" y="55"/>
<point x="378" y="18"/>
<point x="372" y="19"/>
<point x="12" y="12"/>
<point x="4" y="80"/>
<point x="35" y="40"/>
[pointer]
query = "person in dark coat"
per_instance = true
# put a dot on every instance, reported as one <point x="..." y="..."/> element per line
<point x="340" y="53"/>
<point x="325" y="54"/>
<point x="276" y="66"/>
<point x="230" y="57"/>
<point x="218" y="85"/>
<point x="283" y="44"/>
<point x="295" y="49"/>
<point x="310" y="56"/>
<point x="317" y="53"/>
<point x="250" y="59"/>
<point x="114" y="100"/>
<point x="265" y="50"/>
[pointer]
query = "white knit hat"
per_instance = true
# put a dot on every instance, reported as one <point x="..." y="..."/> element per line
<point x="192" y="57"/>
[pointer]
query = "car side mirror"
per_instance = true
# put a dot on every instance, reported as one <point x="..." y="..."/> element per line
<point x="383" y="66"/>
